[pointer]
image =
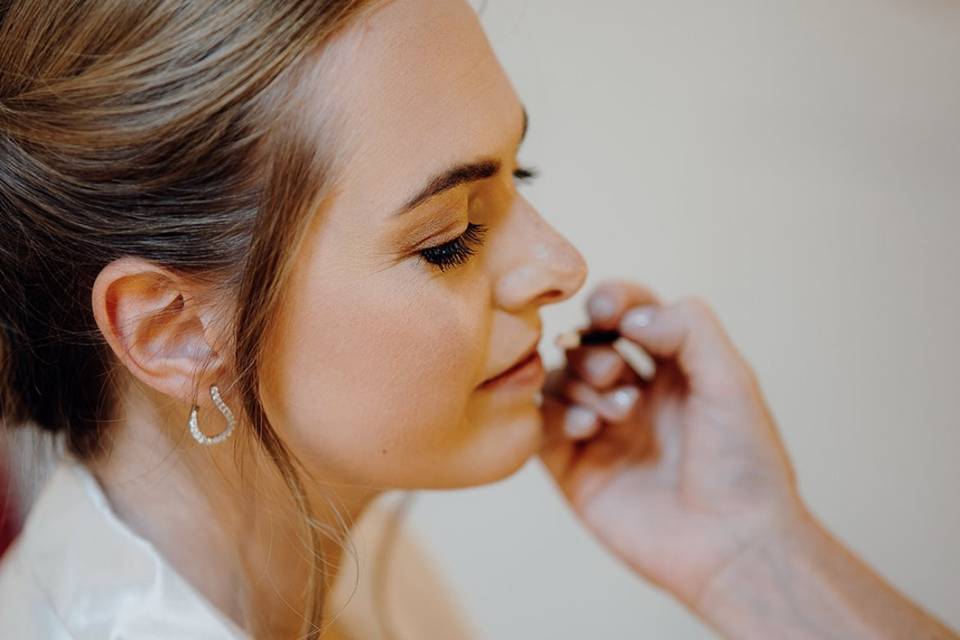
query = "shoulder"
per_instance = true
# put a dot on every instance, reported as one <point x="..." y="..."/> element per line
<point x="77" y="571"/>
<point x="420" y="602"/>
<point x="25" y="610"/>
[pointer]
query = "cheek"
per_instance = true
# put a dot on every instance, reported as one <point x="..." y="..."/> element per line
<point x="387" y="369"/>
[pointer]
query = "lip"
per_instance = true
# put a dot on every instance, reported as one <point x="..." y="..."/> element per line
<point x="529" y="362"/>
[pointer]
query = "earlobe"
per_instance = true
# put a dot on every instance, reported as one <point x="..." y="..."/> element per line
<point x="149" y="318"/>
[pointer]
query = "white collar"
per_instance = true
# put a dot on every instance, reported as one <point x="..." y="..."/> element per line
<point x="79" y="568"/>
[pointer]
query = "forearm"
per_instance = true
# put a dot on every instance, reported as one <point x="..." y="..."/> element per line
<point x="803" y="584"/>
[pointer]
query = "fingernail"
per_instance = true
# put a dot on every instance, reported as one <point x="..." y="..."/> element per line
<point x="638" y="318"/>
<point x="624" y="398"/>
<point x="600" y="363"/>
<point x="602" y="307"/>
<point x="579" y="421"/>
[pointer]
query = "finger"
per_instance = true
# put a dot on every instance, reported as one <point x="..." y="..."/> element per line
<point x="631" y="377"/>
<point x="563" y="418"/>
<point x="558" y="450"/>
<point x="615" y="405"/>
<point x="600" y="365"/>
<point x="689" y="332"/>
<point x="610" y="298"/>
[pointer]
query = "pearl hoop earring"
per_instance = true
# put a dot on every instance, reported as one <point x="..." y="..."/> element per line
<point x="224" y="409"/>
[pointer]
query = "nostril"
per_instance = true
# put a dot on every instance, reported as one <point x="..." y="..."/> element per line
<point x="553" y="294"/>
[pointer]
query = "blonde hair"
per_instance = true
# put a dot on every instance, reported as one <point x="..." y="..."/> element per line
<point x="155" y="129"/>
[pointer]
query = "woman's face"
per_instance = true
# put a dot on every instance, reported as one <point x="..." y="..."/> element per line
<point x="373" y="371"/>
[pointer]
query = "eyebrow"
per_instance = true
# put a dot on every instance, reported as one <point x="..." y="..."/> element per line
<point x="457" y="175"/>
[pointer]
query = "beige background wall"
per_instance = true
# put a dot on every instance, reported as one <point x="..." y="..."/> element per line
<point x="797" y="163"/>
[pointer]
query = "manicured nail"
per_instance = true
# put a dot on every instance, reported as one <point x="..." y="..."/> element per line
<point x="638" y="318"/>
<point x="602" y="307"/>
<point x="599" y="364"/>
<point x="624" y="398"/>
<point x="579" y="421"/>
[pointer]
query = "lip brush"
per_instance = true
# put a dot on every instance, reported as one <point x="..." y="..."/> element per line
<point x="575" y="338"/>
<point x="635" y="357"/>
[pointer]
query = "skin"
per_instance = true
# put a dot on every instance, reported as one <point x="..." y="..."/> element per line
<point x="373" y="372"/>
<point x="691" y="487"/>
<point x="695" y="469"/>
<point x="421" y="91"/>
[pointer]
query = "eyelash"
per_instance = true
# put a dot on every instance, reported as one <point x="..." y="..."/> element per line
<point x="526" y="174"/>
<point x="462" y="248"/>
<point x="456" y="251"/>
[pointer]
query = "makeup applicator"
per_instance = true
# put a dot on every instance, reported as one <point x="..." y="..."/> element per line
<point x="575" y="338"/>
<point x="635" y="357"/>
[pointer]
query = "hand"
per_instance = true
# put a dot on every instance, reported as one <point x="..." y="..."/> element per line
<point x="693" y="472"/>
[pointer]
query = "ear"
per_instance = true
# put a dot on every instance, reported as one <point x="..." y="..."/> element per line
<point x="159" y="327"/>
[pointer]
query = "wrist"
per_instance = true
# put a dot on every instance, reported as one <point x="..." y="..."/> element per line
<point x="796" y="583"/>
<point x="790" y="533"/>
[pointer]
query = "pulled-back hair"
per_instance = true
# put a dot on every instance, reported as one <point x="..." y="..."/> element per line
<point x="160" y="129"/>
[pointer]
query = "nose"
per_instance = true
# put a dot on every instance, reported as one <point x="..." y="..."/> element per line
<point x="537" y="265"/>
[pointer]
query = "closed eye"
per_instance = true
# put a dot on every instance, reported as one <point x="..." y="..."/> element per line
<point x="456" y="251"/>
<point x="462" y="248"/>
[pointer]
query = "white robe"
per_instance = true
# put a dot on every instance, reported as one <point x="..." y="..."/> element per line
<point x="76" y="571"/>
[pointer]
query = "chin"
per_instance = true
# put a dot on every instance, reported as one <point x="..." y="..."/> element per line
<point x="502" y="446"/>
<point x="525" y="442"/>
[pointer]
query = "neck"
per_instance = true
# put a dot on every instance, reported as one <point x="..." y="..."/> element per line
<point x="220" y="528"/>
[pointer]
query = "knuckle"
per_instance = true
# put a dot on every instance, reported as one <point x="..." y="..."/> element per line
<point x="699" y="315"/>
<point x="685" y="307"/>
<point x="731" y="379"/>
<point x="698" y="306"/>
